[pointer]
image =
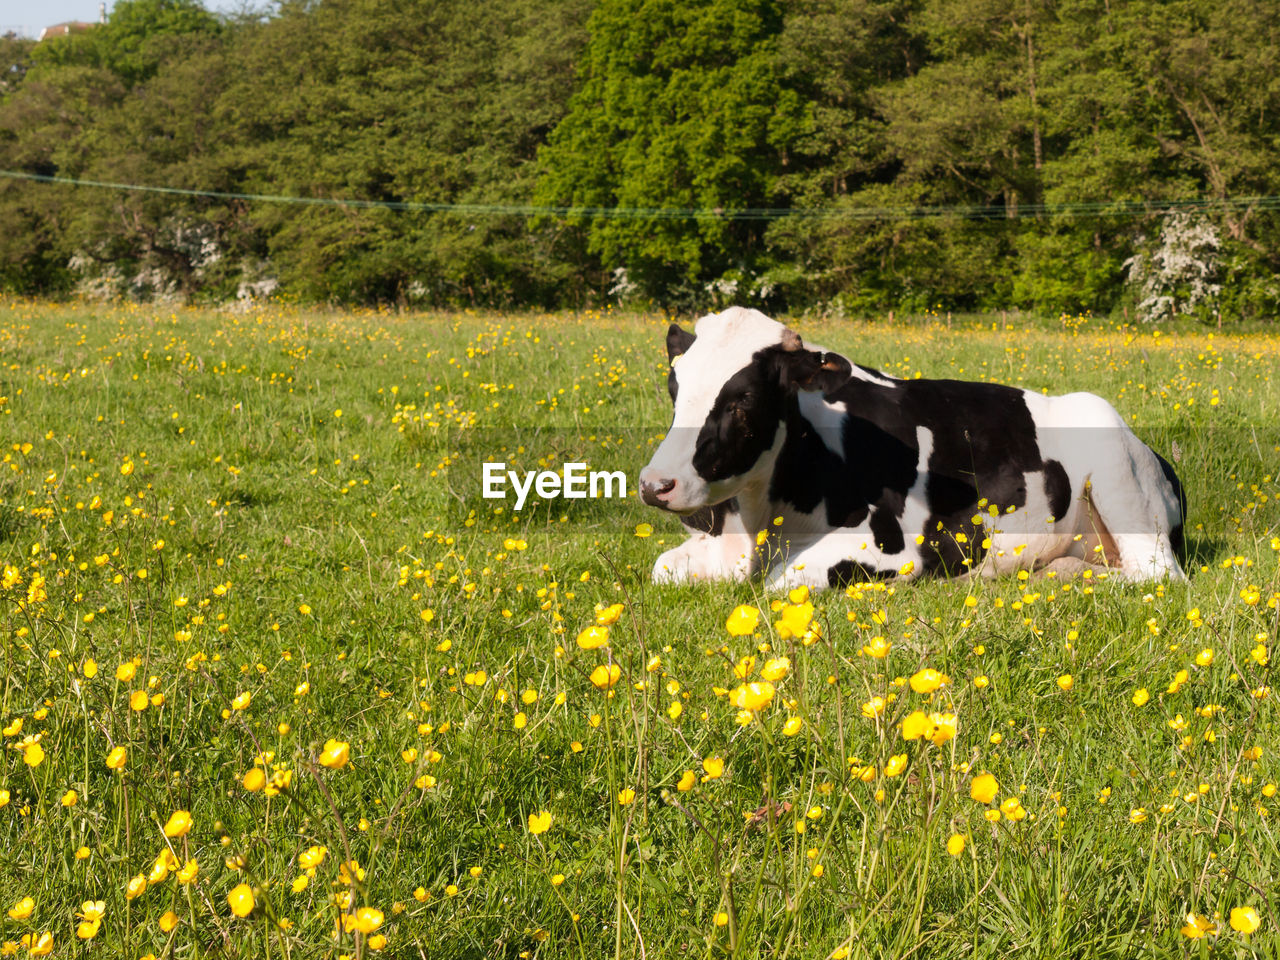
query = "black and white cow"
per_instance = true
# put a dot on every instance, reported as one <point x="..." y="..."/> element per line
<point x="873" y="476"/>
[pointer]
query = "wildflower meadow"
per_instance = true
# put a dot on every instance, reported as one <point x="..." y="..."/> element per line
<point x="278" y="681"/>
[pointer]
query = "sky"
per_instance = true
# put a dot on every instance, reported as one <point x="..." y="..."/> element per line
<point x="29" y="17"/>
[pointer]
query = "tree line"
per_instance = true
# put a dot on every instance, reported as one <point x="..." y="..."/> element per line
<point x="844" y="155"/>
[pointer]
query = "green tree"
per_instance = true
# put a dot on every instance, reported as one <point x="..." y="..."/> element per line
<point x="681" y="106"/>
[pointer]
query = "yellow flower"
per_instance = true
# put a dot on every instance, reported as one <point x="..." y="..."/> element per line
<point x="179" y="824"/>
<point x="955" y="845"/>
<point x="242" y="701"/>
<point x="626" y="796"/>
<point x="608" y="615"/>
<point x="874" y="707"/>
<point x="877" y="647"/>
<point x="92" y="910"/>
<point x="593" y="637"/>
<point x="1197" y="926"/>
<point x="377" y="942"/>
<point x="1013" y="809"/>
<point x="88" y="929"/>
<point x="312" y="857"/>
<point x="1066" y="681"/>
<point x="744" y="667"/>
<point x="1138" y="815"/>
<point x="984" y="788"/>
<point x="714" y="768"/>
<point x="188" y="872"/>
<point x="335" y="755"/>
<point x="138" y="701"/>
<point x="42" y="945"/>
<point x="540" y="822"/>
<point x="792" y="726"/>
<point x="136" y="887"/>
<point x="117" y="758"/>
<point x="687" y="780"/>
<point x="752" y="696"/>
<point x="22" y="909"/>
<point x="942" y="727"/>
<point x="33" y="754"/>
<point x="1141" y="696"/>
<point x="90" y="669"/>
<point x="160" y="868"/>
<point x="675" y="710"/>
<point x="168" y="921"/>
<point x="927" y="680"/>
<point x="255" y="779"/>
<point x="604" y="677"/>
<point x="795" y="621"/>
<point x="897" y="763"/>
<point x="743" y="621"/>
<point x="280" y="780"/>
<point x="240" y="899"/>
<point x="69" y="798"/>
<point x="1245" y="919"/>
<point x="1205" y="657"/>
<point x="775" y="669"/>
<point x="721" y="919"/>
<point x="366" y="920"/>
<point x="644" y="530"/>
<point x="915" y="725"/>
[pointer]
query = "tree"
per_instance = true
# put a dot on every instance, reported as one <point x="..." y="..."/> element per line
<point x="680" y="107"/>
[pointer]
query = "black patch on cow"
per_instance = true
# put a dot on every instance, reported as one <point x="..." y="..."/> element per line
<point x="1057" y="488"/>
<point x="886" y="530"/>
<point x="1176" y="534"/>
<point x="743" y="421"/>
<point x="710" y="519"/>
<point x="678" y="342"/>
<point x="851" y="571"/>
<point x="983" y="446"/>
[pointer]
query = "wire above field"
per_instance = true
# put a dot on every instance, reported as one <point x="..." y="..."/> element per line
<point x="1118" y="208"/>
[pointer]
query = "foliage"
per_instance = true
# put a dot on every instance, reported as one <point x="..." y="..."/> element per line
<point x="857" y="121"/>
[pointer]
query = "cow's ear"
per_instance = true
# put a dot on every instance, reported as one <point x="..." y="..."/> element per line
<point x="802" y="369"/>
<point x="678" y="341"/>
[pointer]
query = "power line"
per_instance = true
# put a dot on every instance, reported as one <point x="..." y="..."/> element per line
<point x="1120" y="208"/>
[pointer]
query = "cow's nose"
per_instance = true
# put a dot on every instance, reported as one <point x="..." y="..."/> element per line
<point x="652" y="491"/>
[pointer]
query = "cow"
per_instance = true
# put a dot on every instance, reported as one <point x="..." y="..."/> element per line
<point x="791" y="461"/>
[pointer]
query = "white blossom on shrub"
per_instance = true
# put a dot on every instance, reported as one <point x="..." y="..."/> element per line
<point x="1180" y="275"/>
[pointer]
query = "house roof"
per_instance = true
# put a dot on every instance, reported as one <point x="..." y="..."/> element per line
<point x="62" y="29"/>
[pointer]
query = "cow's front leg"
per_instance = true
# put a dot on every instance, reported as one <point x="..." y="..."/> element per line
<point x="836" y="559"/>
<point x="704" y="557"/>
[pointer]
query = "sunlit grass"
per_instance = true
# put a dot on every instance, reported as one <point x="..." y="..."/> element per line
<point x="278" y="681"/>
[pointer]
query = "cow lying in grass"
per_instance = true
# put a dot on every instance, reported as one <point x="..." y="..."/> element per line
<point x="876" y="477"/>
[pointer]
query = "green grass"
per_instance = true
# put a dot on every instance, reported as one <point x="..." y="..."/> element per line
<point x="293" y="554"/>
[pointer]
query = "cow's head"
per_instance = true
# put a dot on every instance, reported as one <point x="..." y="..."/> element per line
<point x="731" y="382"/>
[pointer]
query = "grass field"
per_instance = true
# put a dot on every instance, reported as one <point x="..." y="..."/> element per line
<point x="278" y="682"/>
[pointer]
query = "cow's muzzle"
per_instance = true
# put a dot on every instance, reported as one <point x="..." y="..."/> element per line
<point x="657" y="491"/>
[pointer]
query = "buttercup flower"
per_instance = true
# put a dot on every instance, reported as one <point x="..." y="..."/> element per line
<point x="984" y="788"/>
